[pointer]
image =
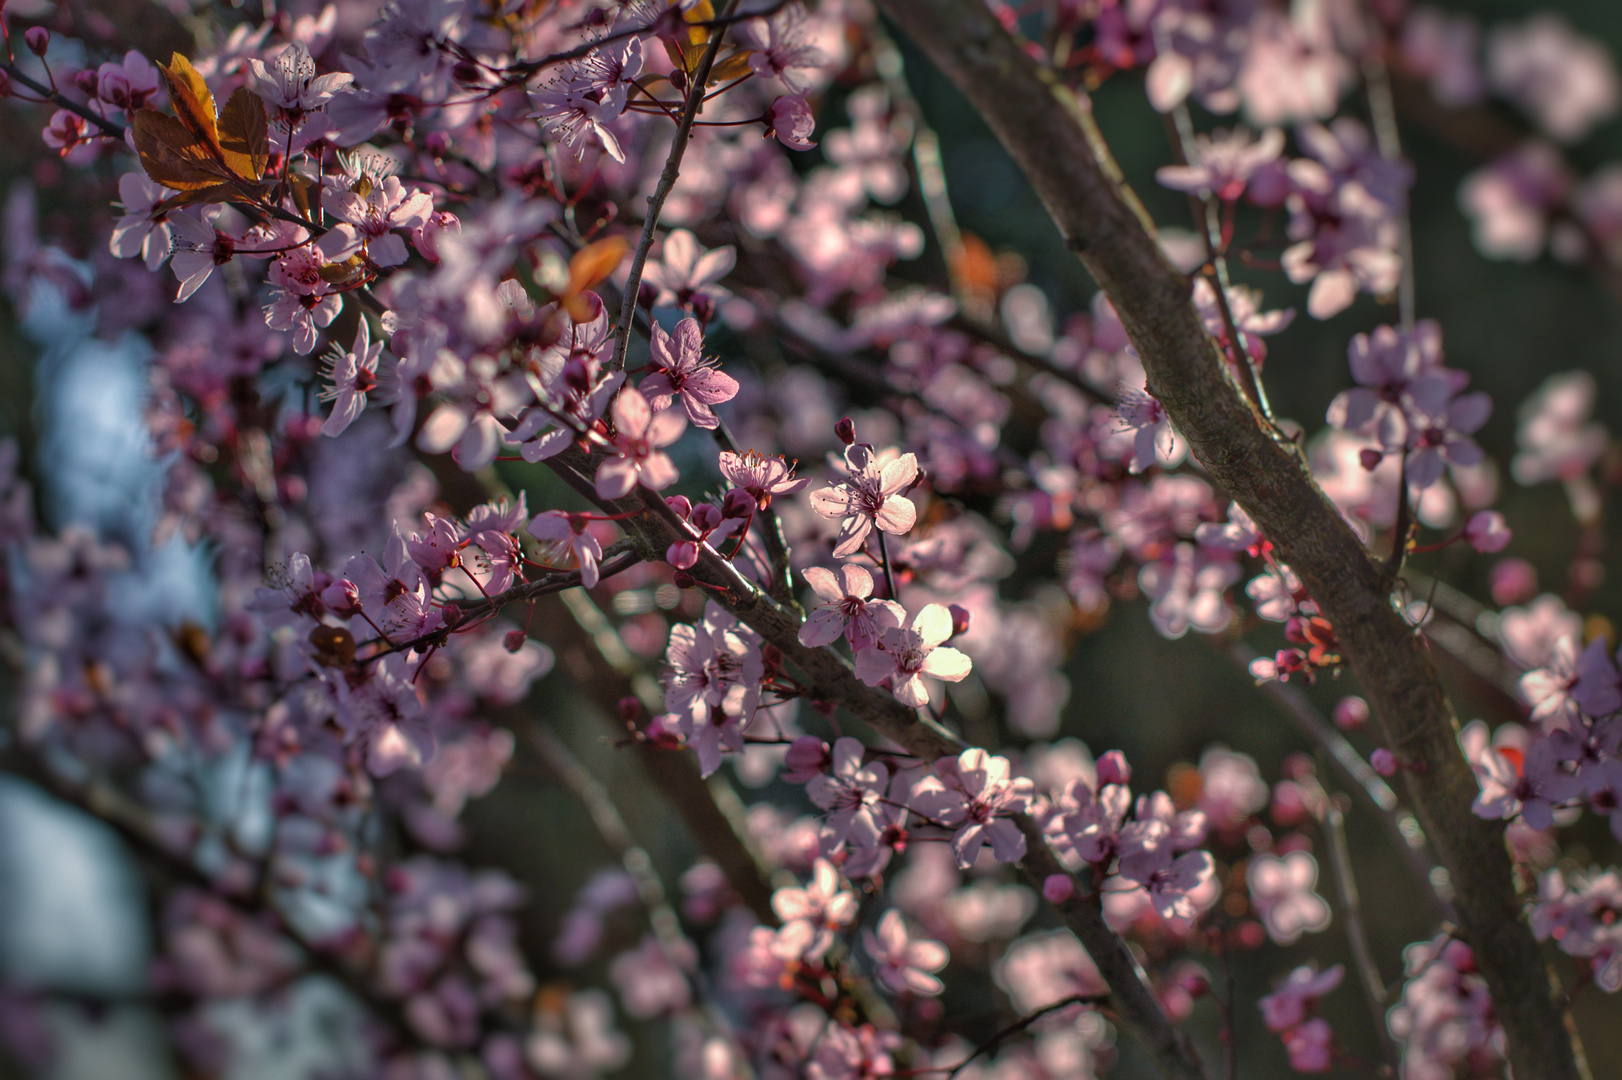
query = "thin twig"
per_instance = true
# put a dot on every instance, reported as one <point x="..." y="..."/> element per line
<point x="110" y="128"/>
<point x="1020" y="1025"/>
<point x="1351" y="912"/>
<point x="667" y="181"/>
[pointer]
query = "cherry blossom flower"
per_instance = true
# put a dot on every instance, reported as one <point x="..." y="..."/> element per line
<point x="1290" y="1005"/>
<point x="762" y="476"/>
<point x="578" y="1041"/>
<point x="869" y="496"/>
<point x="844" y="608"/>
<point x="199" y="247"/>
<point x="1486" y="531"/>
<point x="139" y="231"/>
<point x="367" y="217"/>
<point x="1311" y="1046"/>
<point x="974" y="794"/>
<point x="682" y="373"/>
<point x="685" y="272"/>
<point x="354" y="375"/>
<point x="1153" y="438"/>
<point x="779" y="47"/>
<point x="1512" y="198"/>
<point x="1223" y="162"/>
<point x="128" y="84"/>
<point x="1439" y="433"/>
<point x="588" y="95"/>
<point x="1281" y="892"/>
<point x="849" y="791"/>
<point x="1556" y="440"/>
<point x="1565" y="81"/>
<point x="639" y="435"/>
<point x="905" y="964"/>
<point x="1531" y="785"/>
<point x="571" y="533"/>
<point x="290" y="83"/>
<point x="904" y="655"/>
<point x="824" y="905"/>
<point x="714" y="684"/>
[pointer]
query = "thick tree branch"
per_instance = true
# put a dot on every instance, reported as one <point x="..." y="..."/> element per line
<point x="1051" y="135"/>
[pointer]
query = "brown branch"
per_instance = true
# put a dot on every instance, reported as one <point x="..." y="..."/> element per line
<point x="834" y="679"/>
<point x="1051" y="135"/>
<point x="667" y="180"/>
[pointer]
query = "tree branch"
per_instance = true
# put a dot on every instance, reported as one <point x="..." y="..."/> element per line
<point x="1051" y="135"/>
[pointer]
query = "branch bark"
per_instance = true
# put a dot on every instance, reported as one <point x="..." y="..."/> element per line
<point x="1051" y="135"/>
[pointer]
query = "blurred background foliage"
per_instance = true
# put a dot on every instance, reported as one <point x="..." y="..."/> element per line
<point x="73" y="914"/>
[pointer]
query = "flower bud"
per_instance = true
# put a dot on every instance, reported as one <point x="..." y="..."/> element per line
<point x="1113" y="769"/>
<point x="1487" y="532"/>
<point x="960" y="619"/>
<point x="703" y="308"/>
<point x="807" y="756"/>
<point x="705" y="518"/>
<point x="646" y="294"/>
<point x="1513" y="581"/>
<point x="437" y="143"/>
<point x="451" y="614"/>
<point x="1370" y="458"/>
<point x="630" y="708"/>
<point x="1057" y="888"/>
<point x="681" y="505"/>
<point x="846" y="430"/>
<point x="342" y="597"/>
<point x="38" y="39"/>
<point x="737" y="504"/>
<point x="87" y="81"/>
<point x="684" y="581"/>
<point x="467" y="73"/>
<point x="1384" y="762"/>
<point x="683" y="555"/>
<point x="514" y="641"/>
<point x="1351" y="713"/>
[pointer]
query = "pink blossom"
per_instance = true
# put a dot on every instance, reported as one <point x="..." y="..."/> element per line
<point x="290" y="83"/>
<point x="844" y="608"/>
<point x="1223" y="162"/>
<point x="571" y="534"/>
<point x="779" y="47"/>
<point x="824" y="906"/>
<point x="850" y="790"/>
<point x="1281" y="892"/>
<point x="639" y="435"/>
<point x="139" y="231"/>
<point x="1530" y="786"/>
<point x="1153" y="437"/>
<point x="685" y="272"/>
<point x="681" y="372"/>
<point x="354" y="375"/>
<point x="905" y="964"/>
<point x="1567" y="82"/>
<point x="1311" y="1046"/>
<point x="974" y="794"/>
<point x="904" y="655"/>
<point x="869" y="496"/>
<point x="762" y="476"/>
<point x="1290" y="1004"/>
<point x="789" y="118"/>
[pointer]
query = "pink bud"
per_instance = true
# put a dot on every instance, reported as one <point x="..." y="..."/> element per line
<point x="1057" y="888"/>
<point x="683" y="555"/>
<point x="87" y="81"/>
<point x="846" y="430"/>
<point x="807" y="756"/>
<point x="680" y="504"/>
<point x="1113" y="769"/>
<point x="1486" y="531"/>
<point x="1513" y="581"/>
<point x="514" y="641"/>
<point x="705" y="517"/>
<point x="1370" y="458"/>
<point x="38" y="39"/>
<point x="451" y="614"/>
<point x="1384" y="762"/>
<point x="1351" y="713"/>
<point x="342" y="597"/>
<point x="630" y="708"/>
<point x="737" y="504"/>
<point x="960" y="619"/>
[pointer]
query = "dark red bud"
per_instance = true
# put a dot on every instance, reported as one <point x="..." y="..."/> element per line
<point x="737" y="504"/>
<point x="630" y="709"/>
<point x="646" y="294"/>
<point x="451" y="614"/>
<point x="467" y="73"/>
<point x="5" y="85"/>
<point x="87" y="82"/>
<point x="846" y="430"/>
<point x="437" y="143"/>
<point x="960" y="619"/>
<point x="703" y="308"/>
<point x="678" y="79"/>
<point x="38" y="39"/>
<point x="1370" y="458"/>
<point x="684" y="581"/>
<point x="514" y="641"/>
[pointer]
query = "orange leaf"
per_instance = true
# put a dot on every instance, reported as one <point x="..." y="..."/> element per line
<point x="172" y="155"/>
<point x="192" y="101"/>
<point x="593" y="263"/>
<point x="735" y="66"/>
<point x="245" y="134"/>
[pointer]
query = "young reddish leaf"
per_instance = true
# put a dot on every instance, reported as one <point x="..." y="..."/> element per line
<point x="172" y="155"/>
<point x="245" y="134"/>
<point x="735" y="66"/>
<point x="591" y="266"/>
<point x="192" y="101"/>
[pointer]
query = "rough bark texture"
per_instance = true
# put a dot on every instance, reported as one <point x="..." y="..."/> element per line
<point x="1052" y="137"/>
